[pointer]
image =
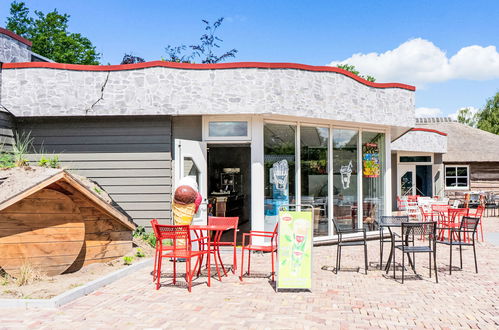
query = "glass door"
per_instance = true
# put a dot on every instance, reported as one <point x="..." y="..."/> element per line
<point x="191" y="160"/>
<point x="406" y="180"/>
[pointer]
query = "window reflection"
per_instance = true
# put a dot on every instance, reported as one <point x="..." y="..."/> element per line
<point x="373" y="173"/>
<point x="228" y="128"/>
<point x="314" y="174"/>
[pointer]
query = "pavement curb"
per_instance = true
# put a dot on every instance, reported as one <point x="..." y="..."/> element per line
<point x="75" y="293"/>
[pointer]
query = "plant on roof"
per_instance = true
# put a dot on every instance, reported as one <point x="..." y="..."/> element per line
<point x="205" y="50"/>
<point x="352" y="69"/>
<point x="20" y="148"/>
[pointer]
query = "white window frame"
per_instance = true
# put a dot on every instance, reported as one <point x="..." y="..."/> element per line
<point x="467" y="177"/>
<point x="206" y="128"/>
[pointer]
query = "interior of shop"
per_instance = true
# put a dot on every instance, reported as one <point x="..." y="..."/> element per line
<point x="229" y="184"/>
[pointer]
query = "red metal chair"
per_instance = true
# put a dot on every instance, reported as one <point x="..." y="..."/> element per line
<point x="181" y="248"/>
<point x="478" y="214"/>
<point x="233" y="223"/>
<point x="272" y="248"/>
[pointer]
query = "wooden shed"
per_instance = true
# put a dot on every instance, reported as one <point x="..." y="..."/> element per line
<point x="58" y="222"/>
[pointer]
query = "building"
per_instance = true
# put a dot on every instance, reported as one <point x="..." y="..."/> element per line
<point x="443" y="157"/>
<point x="255" y="135"/>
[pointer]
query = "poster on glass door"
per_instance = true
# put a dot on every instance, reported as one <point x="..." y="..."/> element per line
<point x="370" y="160"/>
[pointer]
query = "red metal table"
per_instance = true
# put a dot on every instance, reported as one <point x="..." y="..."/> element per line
<point x="215" y="233"/>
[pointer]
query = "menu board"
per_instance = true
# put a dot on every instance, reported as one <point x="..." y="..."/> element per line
<point x="294" y="268"/>
<point x="370" y="160"/>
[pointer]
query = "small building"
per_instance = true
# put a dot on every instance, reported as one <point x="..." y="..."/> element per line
<point x="57" y="222"/>
<point x="443" y="157"/>
<point x="254" y="135"/>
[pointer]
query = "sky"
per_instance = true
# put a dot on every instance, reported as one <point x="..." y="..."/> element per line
<point x="447" y="49"/>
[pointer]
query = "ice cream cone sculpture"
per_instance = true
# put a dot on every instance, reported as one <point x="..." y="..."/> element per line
<point x="186" y="201"/>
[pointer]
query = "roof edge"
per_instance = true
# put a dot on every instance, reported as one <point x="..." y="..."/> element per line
<point x="217" y="66"/>
<point x="16" y="37"/>
<point x="429" y="130"/>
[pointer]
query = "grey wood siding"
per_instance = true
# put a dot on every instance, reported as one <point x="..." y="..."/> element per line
<point x="6" y="130"/>
<point x="130" y="157"/>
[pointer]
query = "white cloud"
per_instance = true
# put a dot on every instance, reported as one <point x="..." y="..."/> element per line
<point x="473" y="110"/>
<point x="428" y="112"/>
<point x="419" y="61"/>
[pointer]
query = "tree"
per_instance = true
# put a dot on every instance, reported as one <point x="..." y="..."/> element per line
<point x="131" y="59"/>
<point x="467" y="117"/>
<point x="352" y="69"/>
<point x="488" y="119"/>
<point x="50" y="36"/>
<point x="205" y="50"/>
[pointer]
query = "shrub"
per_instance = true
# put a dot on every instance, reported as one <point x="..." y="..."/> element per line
<point x="139" y="254"/>
<point x="27" y="274"/>
<point x="128" y="260"/>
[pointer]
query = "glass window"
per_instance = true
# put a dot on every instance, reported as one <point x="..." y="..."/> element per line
<point x="373" y="177"/>
<point x="345" y="154"/>
<point x="415" y="159"/>
<point x="314" y="174"/>
<point x="279" y="159"/>
<point x="227" y="128"/>
<point x="456" y="176"/>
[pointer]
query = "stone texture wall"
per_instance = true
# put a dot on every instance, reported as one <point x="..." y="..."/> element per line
<point x="170" y="91"/>
<point x="420" y="141"/>
<point x="12" y="50"/>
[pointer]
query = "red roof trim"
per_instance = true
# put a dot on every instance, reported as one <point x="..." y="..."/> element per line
<point x="15" y="36"/>
<point x="189" y="66"/>
<point x="429" y="130"/>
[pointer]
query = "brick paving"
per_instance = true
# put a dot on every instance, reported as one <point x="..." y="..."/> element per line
<point x="349" y="300"/>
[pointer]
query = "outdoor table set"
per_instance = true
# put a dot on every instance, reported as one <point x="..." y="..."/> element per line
<point x="185" y="242"/>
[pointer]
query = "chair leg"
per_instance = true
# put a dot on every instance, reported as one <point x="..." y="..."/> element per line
<point x="249" y="261"/>
<point x="337" y="258"/>
<point x="474" y="254"/>
<point x="221" y="261"/>
<point x="403" y="266"/>
<point x="272" y="253"/>
<point x="481" y="228"/>
<point x="435" y="264"/>
<point x="461" y="256"/>
<point x="429" y="263"/>
<point x="242" y="264"/>
<point x="450" y="260"/>
<point x="209" y="268"/>
<point x="188" y="276"/>
<point x="365" y="256"/>
<point x="155" y="265"/>
<point x="158" y="275"/>
<point x="393" y="256"/>
<point x="381" y="249"/>
<point x="174" y="270"/>
<point x="234" y="266"/>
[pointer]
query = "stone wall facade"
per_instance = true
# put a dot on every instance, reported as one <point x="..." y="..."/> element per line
<point x="160" y="90"/>
<point x="12" y="50"/>
<point x="421" y="141"/>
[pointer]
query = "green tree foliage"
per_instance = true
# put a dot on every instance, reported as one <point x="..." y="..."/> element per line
<point x="205" y="50"/>
<point x="467" y="117"/>
<point x="488" y="118"/>
<point x="352" y="69"/>
<point x="50" y="36"/>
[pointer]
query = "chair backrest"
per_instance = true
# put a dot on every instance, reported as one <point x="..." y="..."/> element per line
<point x="224" y="221"/>
<point x="479" y="211"/>
<point x="457" y="213"/>
<point x="426" y="228"/>
<point x="439" y="208"/>
<point x="154" y="222"/>
<point x="393" y="219"/>
<point x="469" y="223"/>
<point x="179" y="235"/>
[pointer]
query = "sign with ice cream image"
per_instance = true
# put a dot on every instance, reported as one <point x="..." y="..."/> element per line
<point x="295" y="250"/>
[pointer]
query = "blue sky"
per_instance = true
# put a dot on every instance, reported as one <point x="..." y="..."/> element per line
<point x="446" y="48"/>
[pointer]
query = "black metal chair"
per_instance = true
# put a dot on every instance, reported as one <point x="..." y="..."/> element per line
<point x="491" y="205"/>
<point x="385" y="222"/>
<point x="466" y="229"/>
<point x="411" y="230"/>
<point x="341" y="243"/>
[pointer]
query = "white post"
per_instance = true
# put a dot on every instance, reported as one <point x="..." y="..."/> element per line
<point x="257" y="177"/>
<point x="388" y="173"/>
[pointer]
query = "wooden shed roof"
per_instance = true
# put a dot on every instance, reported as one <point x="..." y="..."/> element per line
<point x="18" y="183"/>
<point x="465" y="143"/>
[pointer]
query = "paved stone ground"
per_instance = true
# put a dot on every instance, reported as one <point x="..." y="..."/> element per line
<point x="345" y="301"/>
